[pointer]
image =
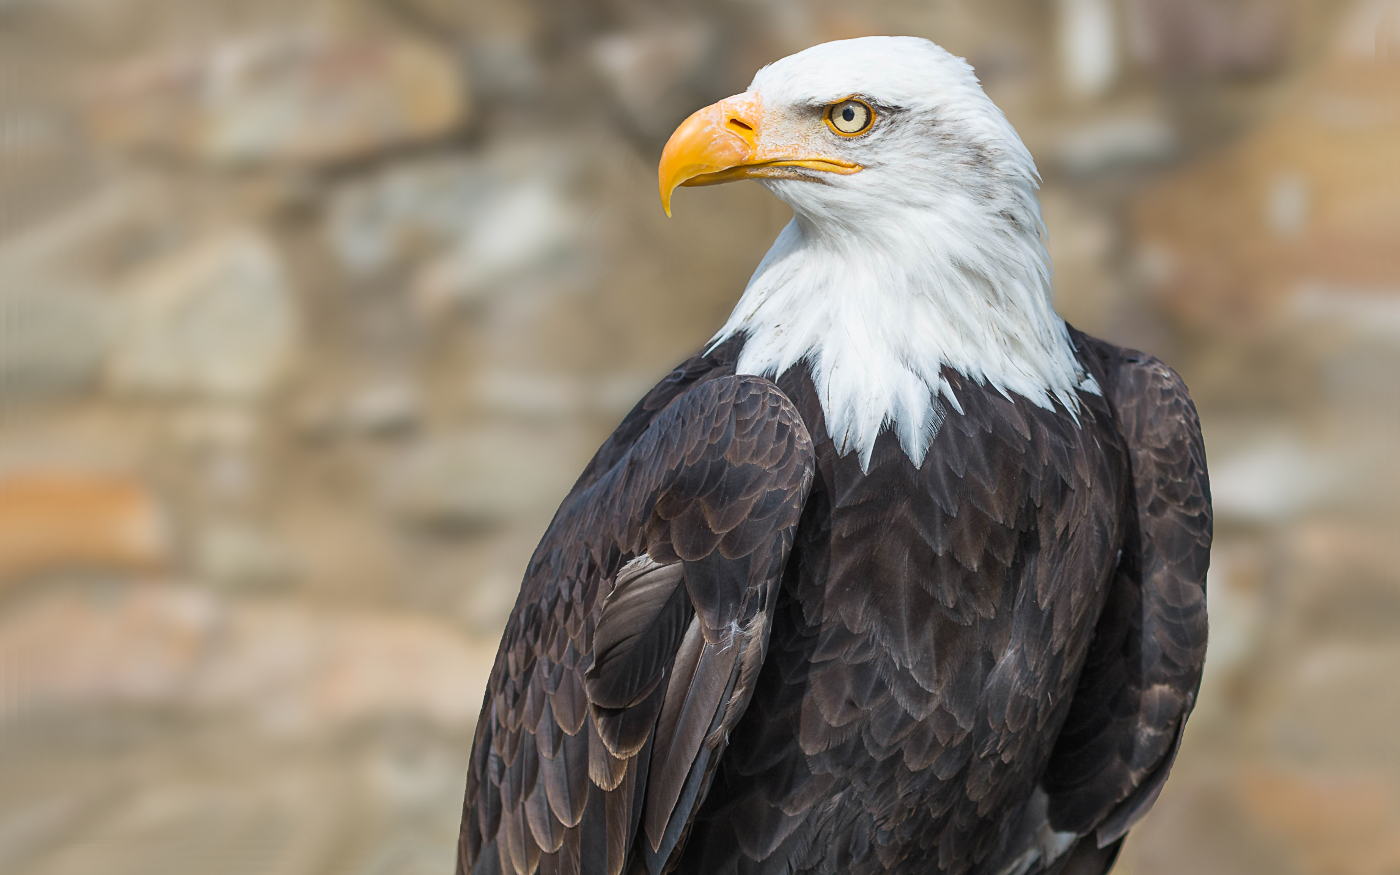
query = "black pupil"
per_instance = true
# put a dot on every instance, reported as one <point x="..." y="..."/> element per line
<point x="849" y="114"/>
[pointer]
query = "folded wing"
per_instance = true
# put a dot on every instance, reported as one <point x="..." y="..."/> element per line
<point x="1144" y="667"/>
<point x="640" y="627"/>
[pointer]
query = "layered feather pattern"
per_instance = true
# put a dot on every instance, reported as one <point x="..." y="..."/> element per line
<point x="980" y="664"/>
<point x="647" y="605"/>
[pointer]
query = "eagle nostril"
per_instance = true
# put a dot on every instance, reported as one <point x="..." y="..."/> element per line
<point x="740" y="125"/>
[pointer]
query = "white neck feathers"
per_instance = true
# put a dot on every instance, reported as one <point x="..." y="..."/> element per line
<point x="878" y="308"/>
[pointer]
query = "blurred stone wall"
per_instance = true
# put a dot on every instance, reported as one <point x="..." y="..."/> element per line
<point x="311" y="311"/>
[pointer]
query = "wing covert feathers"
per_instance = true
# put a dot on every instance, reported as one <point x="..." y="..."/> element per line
<point x="633" y="648"/>
<point x="1144" y="667"/>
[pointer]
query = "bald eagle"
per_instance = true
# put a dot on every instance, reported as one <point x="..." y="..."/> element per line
<point x="899" y="574"/>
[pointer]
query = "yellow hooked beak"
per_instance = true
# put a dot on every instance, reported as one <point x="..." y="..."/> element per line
<point x="729" y="140"/>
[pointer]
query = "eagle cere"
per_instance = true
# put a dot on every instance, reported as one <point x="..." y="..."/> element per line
<point x="899" y="574"/>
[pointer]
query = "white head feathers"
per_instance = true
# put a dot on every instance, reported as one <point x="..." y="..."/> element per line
<point x="933" y="255"/>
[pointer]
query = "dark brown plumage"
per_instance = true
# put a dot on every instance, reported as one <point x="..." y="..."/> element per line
<point x="736" y="652"/>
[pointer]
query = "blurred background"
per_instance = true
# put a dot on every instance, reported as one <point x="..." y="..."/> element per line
<point x="311" y="310"/>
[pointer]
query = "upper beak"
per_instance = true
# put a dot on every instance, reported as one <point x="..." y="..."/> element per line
<point x="732" y="140"/>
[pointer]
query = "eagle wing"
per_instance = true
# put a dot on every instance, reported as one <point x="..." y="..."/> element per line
<point x="641" y="623"/>
<point x="1143" y="670"/>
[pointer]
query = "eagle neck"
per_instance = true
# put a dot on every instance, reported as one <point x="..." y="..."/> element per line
<point x="877" y="311"/>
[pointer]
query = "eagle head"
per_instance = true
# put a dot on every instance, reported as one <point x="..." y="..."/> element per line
<point x="858" y="133"/>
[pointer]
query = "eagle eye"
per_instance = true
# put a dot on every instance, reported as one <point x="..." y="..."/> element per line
<point x="850" y="117"/>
